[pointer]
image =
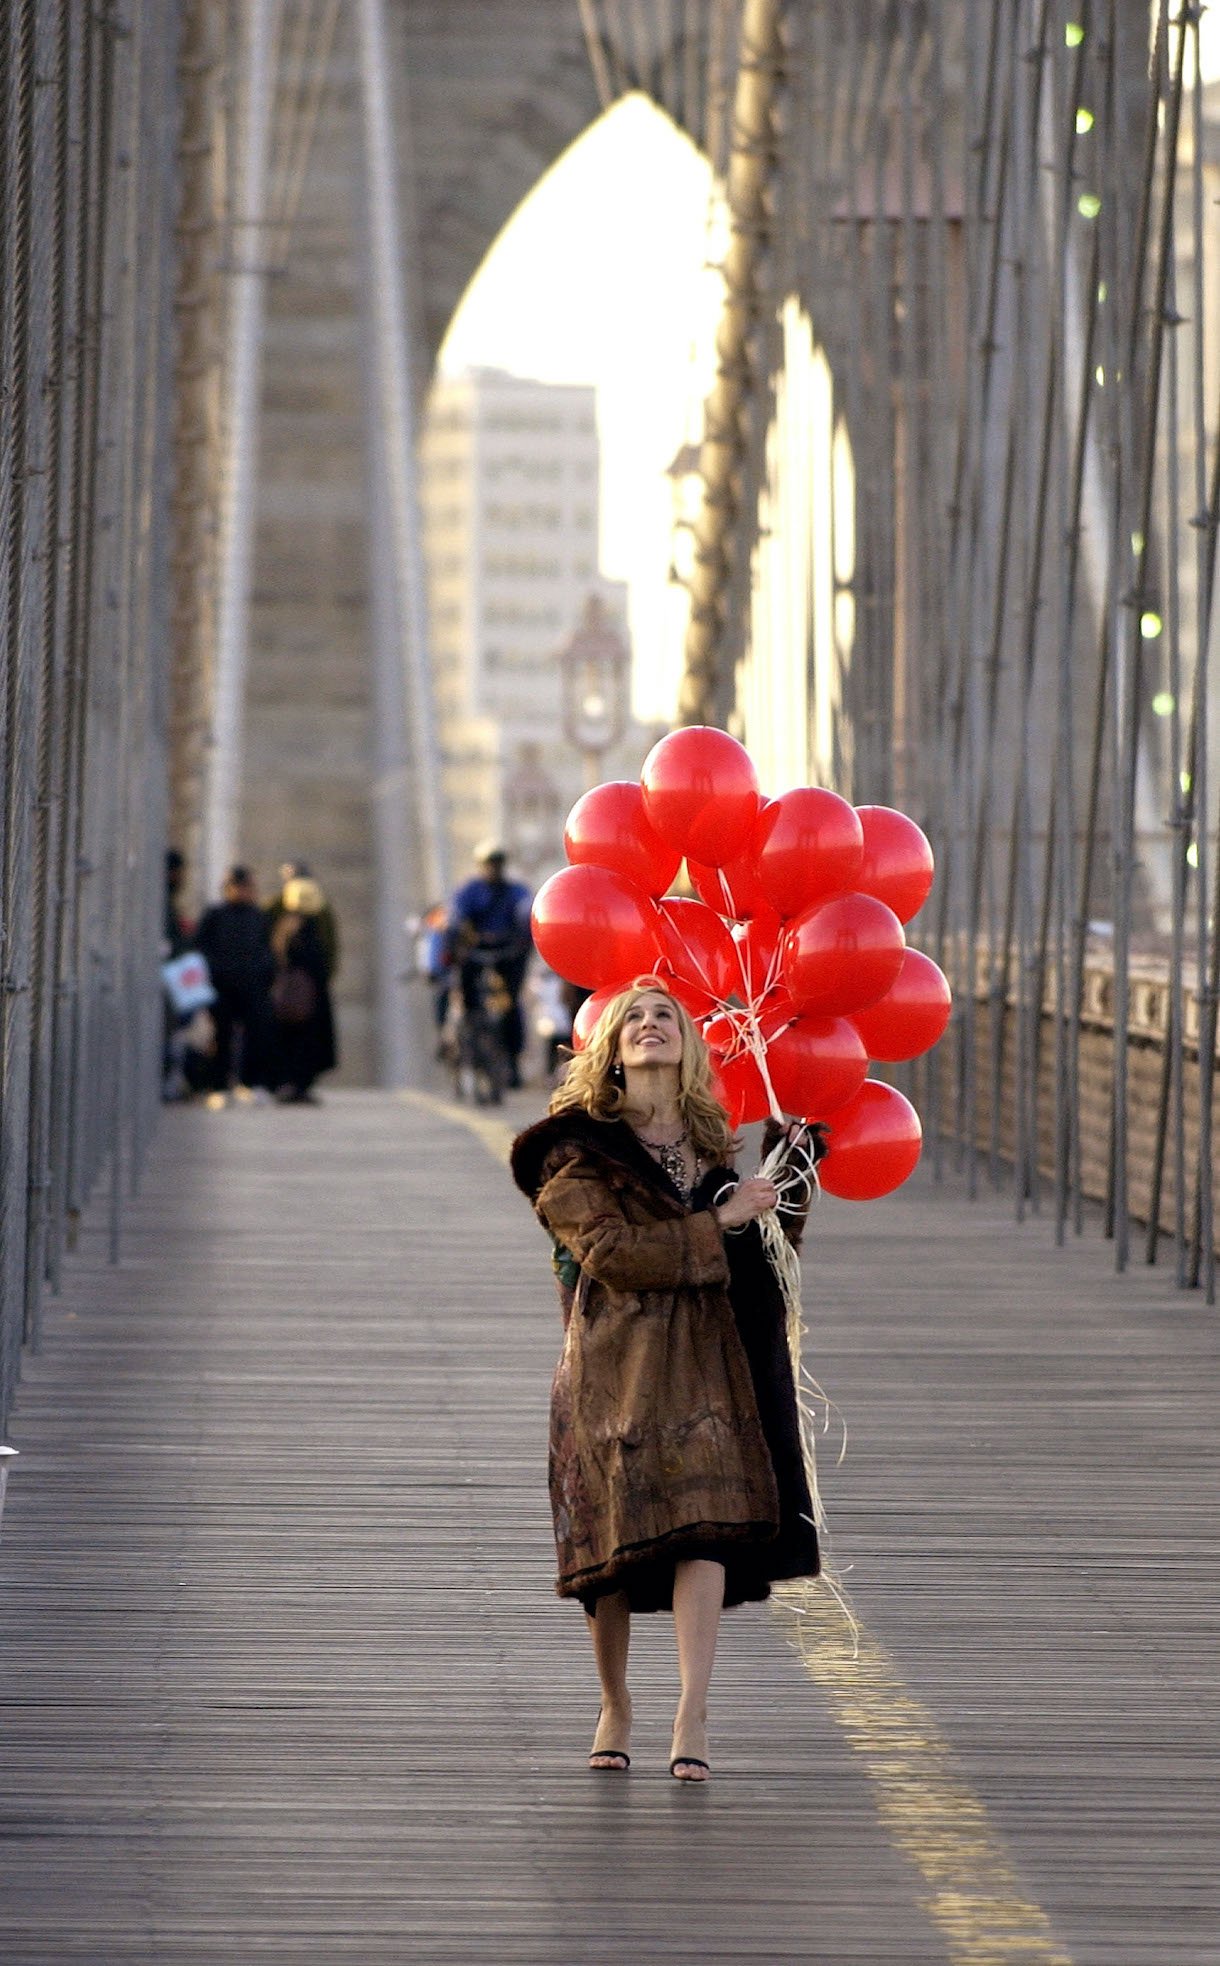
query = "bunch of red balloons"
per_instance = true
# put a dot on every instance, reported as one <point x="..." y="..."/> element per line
<point x="793" y="959"/>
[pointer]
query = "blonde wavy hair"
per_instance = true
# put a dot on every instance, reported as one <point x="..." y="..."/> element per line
<point x="588" y="1083"/>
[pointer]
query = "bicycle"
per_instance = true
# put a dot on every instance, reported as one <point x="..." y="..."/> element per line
<point x="473" y="1040"/>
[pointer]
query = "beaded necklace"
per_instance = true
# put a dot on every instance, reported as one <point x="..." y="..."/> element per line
<point x="672" y="1161"/>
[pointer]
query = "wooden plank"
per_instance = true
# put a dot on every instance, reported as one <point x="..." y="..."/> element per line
<point x="283" y="1677"/>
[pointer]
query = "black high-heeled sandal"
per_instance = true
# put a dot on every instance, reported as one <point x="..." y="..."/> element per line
<point x="688" y="1761"/>
<point x="608" y="1761"/>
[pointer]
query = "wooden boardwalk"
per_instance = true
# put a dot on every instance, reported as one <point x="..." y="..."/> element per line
<point x="282" y="1674"/>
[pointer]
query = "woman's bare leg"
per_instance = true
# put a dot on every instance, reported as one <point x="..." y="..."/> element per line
<point x="698" y="1601"/>
<point x="610" y="1631"/>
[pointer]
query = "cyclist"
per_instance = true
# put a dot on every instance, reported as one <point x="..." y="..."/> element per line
<point x="489" y="926"/>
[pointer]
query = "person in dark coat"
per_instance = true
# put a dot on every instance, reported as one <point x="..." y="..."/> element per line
<point x="676" y="1467"/>
<point x="303" y="1022"/>
<point x="324" y="918"/>
<point x="232" y="936"/>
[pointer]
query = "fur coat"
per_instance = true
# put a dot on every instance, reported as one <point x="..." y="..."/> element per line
<point x="673" y="1415"/>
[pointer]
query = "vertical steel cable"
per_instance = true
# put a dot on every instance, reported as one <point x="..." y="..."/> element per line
<point x="54" y="61"/>
<point x="80" y="1087"/>
<point x="10" y="1335"/>
<point x="21" y="527"/>
<point x="1169" y="93"/>
<point x="1205" y="520"/>
<point x="80" y="467"/>
<point x="1170" y="1109"/>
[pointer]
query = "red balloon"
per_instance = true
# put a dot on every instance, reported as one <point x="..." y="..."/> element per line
<point x="739" y="1083"/>
<point x="809" y="845"/>
<point x="757" y="942"/>
<point x="720" y="1035"/>
<point x="691" y="996"/>
<point x="745" y="897"/>
<point x="608" y="827"/>
<point x="897" y="865"/>
<point x="874" y="1144"/>
<point x="842" y="954"/>
<point x="592" y="926"/>
<point x="701" y="793"/>
<point x="698" y="946"/>
<point x="588" y="1016"/>
<point x="817" y="1065"/>
<point x="741" y="1091"/>
<point x="776" y="1012"/>
<point x="912" y="1014"/>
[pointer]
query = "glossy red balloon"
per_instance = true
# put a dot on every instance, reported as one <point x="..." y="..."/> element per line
<point x="745" y="896"/>
<point x="741" y="1090"/>
<point x="608" y="827"/>
<point x="701" y="793"/>
<point x="817" y="1065"/>
<point x="719" y="1035"/>
<point x="757" y="942"/>
<point x="896" y="866"/>
<point x="588" y="1016"/>
<point x="874" y="1144"/>
<point x="698" y="946"/>
<point x="842" y="954"/>
<point x="594" y="927"/>
<point x="700" y="1002"/>
<point x="912" y="1014"/>
<point x="776" y="1012"/>
<point x="809" y="844"/>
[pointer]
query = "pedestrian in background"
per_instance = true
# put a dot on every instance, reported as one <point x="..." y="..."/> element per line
<point x="233" y="938"/>
<point x="323" y="917"/>
<point x="302" y="1016"/>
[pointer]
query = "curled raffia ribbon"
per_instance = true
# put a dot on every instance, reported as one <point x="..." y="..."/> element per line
<point x="791" y="1167"/>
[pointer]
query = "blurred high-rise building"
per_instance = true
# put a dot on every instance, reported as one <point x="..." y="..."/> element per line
<point x="528" y="641"/>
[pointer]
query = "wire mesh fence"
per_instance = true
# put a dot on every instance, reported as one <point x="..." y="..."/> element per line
<point x="87" y="213"/>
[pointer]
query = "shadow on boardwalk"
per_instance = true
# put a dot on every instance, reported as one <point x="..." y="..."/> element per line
<point x="283" y="1677"/>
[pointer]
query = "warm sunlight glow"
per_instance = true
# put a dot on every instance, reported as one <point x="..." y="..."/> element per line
<point x="601" y="276"/>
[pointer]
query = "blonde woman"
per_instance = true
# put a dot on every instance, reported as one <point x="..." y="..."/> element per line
<point x="677" y="1480"/>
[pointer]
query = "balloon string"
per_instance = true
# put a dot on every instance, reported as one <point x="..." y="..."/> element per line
<point x="747" y="1026"/>
<point x="791" y="1167"/>
<point x="695" y="963"/>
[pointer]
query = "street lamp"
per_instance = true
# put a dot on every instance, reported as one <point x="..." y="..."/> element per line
<point x="594" y="671"/>
<point x="533" y="812"/>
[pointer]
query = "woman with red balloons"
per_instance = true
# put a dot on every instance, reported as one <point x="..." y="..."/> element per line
<point x="677" y="1474"/>
<point x="677" y="1471"/>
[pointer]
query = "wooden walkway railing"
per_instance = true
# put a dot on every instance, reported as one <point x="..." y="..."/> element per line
<point x="283" y="1677"/>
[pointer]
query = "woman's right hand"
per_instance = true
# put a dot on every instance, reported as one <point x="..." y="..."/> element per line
<point x="749" y="1199"/>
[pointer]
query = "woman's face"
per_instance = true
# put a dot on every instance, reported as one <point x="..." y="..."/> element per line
<point x="651" y="1033"/>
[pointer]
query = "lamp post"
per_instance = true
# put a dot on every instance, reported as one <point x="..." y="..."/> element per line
<point x="594" y="672"/>
<point x="533" y="813"/>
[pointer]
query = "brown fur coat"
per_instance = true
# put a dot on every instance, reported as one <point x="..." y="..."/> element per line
<point x="673" y="1416"/>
